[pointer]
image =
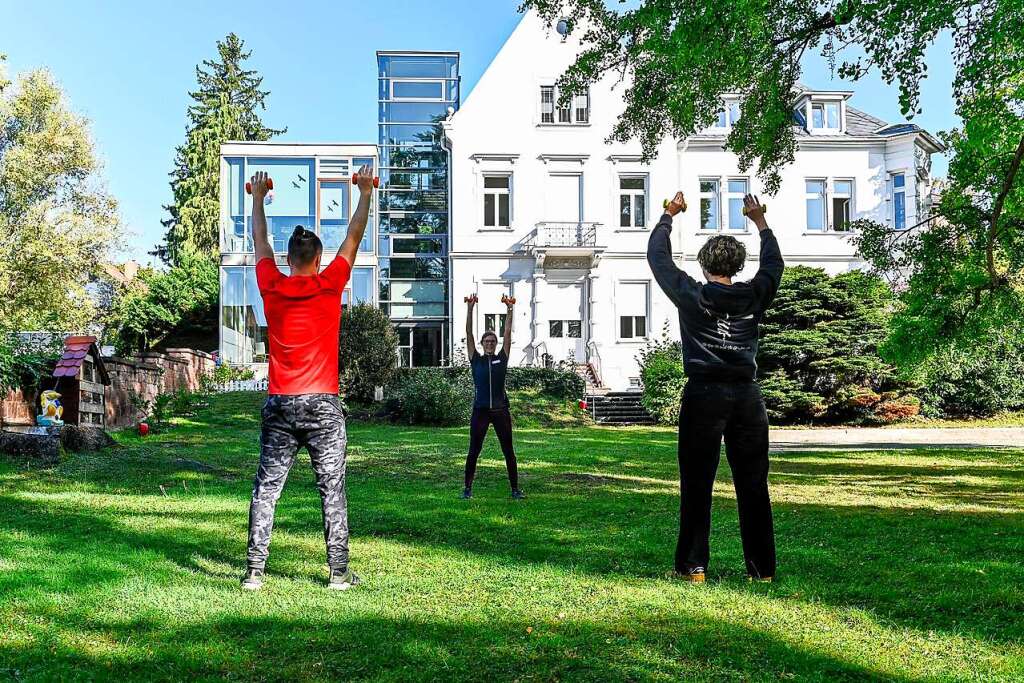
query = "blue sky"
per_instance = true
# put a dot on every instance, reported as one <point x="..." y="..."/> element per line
<point x="128" y="67"/>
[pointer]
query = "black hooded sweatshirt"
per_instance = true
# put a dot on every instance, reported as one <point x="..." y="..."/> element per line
<point x="719" y="323"/>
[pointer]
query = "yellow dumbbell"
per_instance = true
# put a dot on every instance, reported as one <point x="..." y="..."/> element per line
<point x="666" y="202"/>
<point x="764" y="209"/>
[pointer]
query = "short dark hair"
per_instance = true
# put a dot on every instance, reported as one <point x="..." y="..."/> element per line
<point x="722" y="255"/>
<point x="489" y="333"/>
<point x="303" y="247"/>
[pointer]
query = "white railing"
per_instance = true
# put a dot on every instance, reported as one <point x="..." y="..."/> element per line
<point x="566" y="234"/>
<point x="594" y="359"/>
<point x="242" y="385"/>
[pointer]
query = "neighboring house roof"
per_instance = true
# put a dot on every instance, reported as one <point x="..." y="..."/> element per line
<point x="75" y="351"/>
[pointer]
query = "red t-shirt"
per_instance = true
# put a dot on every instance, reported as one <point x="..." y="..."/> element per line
<point x="303" y="319"/>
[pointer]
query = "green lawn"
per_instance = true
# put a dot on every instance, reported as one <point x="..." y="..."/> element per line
<point x="899" y="565"/>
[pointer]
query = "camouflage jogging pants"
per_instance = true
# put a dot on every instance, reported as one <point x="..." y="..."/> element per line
<point x="317" y="422"/>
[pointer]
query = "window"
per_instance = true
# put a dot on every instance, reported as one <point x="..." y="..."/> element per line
<point x="734" y="113"/>
<point x="572" y="329"/>
<point x="243" y="323"/>
<point x="709" y="204"/>
<point x="547" y="104"/>
<point x="334" y="214"/>
<point x="632" y="201"/>
<point x="815" y="194"/>
<point x="495" y="322"/>
<point x="723" y="119"/>
<point x="825" y="115"/>
<point x="292" y="201"/>
<point x="899" y="201"/>
<point x="631" y="305"/>
<point x="577" y="111"/>
<point x="842" y="205"/>
<point x="738" y="187"/>
<point x="417" y="90"/>
<point x="360" y="287"/>
<point x="497" y="197"/>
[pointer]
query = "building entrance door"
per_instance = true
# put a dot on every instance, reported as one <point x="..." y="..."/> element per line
<point x="420" y="345"/>
<point x="563" y="321"/>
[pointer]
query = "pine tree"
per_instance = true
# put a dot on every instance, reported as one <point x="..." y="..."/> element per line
<point x="226" y="107"/>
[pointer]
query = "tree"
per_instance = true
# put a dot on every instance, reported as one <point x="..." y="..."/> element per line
<point x="57" y="223"/>
<point x="964" y="271"/>
<point x="178" y="305"/>
<point x="226" y="107"/>
<point x="367" y="352"/>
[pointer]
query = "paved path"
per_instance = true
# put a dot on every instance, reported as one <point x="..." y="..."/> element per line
<point x="874" y="438"/>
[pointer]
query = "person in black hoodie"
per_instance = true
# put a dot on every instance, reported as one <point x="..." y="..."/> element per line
<point x="719" y="326"/>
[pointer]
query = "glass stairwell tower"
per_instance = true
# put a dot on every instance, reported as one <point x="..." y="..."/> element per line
<point x="417" y="91"/>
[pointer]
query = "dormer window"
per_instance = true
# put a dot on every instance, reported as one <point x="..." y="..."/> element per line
<point x="728" y="115"/>
<point x="825" y="115"/>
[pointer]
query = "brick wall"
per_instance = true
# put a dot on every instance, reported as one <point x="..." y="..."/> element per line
<point x="146" y="375"/>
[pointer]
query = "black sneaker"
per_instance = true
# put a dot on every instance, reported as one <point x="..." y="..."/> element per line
<point x="467" y="493"/>
<point x="518" y="495"/>
<point x="253" y="579"/>
<point x="343" y="579"/>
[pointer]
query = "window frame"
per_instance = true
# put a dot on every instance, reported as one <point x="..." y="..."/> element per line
<point x="893" y="192"/>
<point x="497" y="193"/>
<point x="564" y="116"/>
<point x="643" y="194"/>
<point x="440" y="81"/>
<point x="835" y="194"/>
<point x="716" y="194"/>
<point x="823" y="196"/>
<point x="729" y="197"/>
<point x="634" y="339"/>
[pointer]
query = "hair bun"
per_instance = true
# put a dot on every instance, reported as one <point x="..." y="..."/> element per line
<point x="298" y="231"/>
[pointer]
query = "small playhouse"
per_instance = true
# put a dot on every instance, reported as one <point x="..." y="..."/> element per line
<point x="81" y="382"/>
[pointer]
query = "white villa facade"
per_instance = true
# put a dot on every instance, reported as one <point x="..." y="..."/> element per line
<point x="542" y="208"/>
<point x="507" y="193"/>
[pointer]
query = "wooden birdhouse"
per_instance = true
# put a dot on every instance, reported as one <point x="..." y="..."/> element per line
<point x="81" y="381"/>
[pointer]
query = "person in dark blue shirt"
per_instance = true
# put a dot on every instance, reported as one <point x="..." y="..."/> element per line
<point x="490" y="403"/>
<point x="719" y="323"/>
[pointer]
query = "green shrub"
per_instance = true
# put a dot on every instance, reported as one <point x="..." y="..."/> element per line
<point x="977" y="379"/>
<point x="22" y="366"/>
<point x="431" y="396"/>
<point x="553" y="382"/>
<point x="661" y="374"/>
<point x="367" y="351"/>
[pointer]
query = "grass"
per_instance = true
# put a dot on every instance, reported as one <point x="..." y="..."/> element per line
<point x="124" y="565"/>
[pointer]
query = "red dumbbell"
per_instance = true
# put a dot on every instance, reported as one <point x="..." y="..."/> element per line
<point x="471" y="297"/>
<point x="355" y="180"/>
<point x="508" y="300"/>
<point x="270" y="186"/>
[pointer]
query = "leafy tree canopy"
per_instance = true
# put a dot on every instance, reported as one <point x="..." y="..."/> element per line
<point x="961" y="273"/>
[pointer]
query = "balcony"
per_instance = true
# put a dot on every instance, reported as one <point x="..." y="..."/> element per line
<point x="562" y="244"/>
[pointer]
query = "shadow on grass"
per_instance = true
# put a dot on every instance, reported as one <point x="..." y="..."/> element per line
<point x="351" y="644"/>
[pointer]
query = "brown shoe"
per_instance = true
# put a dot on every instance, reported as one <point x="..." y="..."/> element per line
<point x="695" y="575"/>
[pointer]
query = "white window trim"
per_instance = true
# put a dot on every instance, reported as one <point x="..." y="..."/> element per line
<point x="728" y="229"/>
<point x="701" y="195"/>
<point x="573" y="121"/>
<point x="825" y="129"/>
<point x="619" y="339"/>
<point x="808" y="230"/>
<point x="646" y="198"/>
<point x="891" y="197"/>
<point x="484" y="191"/>
<point x="833" y="195"/>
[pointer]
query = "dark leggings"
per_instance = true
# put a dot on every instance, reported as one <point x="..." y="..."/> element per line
<point x="501" y="418"/>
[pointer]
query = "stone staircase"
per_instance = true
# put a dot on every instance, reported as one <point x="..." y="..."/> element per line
<point x="618" y="408"/>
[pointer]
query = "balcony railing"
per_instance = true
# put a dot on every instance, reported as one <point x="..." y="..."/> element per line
<point x="565" y="234"/>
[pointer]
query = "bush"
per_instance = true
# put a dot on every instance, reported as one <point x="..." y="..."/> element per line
<point x="818" y="356"/>
<point x="661" y="373"/>
<point x="22" y="366"/>
<point x="367" y="351"/>
<point x="431" y="396"/>
<point x="553" y="382"/>
<point x="975" y="380"/>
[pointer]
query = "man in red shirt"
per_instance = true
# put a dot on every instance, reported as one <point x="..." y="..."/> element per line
<point x="303" y="312"/>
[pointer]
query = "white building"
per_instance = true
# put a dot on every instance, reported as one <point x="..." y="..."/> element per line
<point x="543" y="209"/>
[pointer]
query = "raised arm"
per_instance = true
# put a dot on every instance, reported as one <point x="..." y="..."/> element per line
<point x="506" y="343"/>
<point x="357" y="223"/>
<point x="672" y="279"/>
<point x="766" y="281"/>
<point x="259" y="217"/>
<point x="470" y="342"/>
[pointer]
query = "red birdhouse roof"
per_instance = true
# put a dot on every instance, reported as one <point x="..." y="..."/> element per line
<point x="75" y="351"/>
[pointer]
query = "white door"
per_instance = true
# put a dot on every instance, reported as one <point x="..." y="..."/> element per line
<point x="562" y="321"/>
